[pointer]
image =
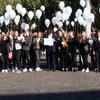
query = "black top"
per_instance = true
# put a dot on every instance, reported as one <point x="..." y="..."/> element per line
<point x="96" y="44"/>
<point x="5" y="46"/>
<point x="84" y="47"/>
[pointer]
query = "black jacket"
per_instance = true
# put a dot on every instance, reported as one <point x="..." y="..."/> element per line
<point x="53" y="47"/>
<point x="96" y="44"/>
<point x="84" y="47"/>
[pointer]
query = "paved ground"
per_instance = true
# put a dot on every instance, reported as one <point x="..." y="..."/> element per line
<point x="47" y="85"/>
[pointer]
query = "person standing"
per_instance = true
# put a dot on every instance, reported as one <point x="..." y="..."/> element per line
<point x="37" y="41"/>
<point x="84" y="51"/>
<point x="11" y="34"/>
<point x="17" y="51"/>
<point x="27" y="41"/>
<point x="5" y="52"/>
<point x="96" y="47"/>
<point x="51" y="49"/>
<point x="1" y="58"/>
<point x="72" y="45"/>
<point x="62" y="50"/>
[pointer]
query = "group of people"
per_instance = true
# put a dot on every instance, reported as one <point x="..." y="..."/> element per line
<point x="21" y="52"/>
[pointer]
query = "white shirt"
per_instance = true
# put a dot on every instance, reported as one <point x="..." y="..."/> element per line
<point x="50" y="36"/>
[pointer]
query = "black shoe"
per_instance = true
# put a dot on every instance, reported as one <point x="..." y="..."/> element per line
<point x="54" y="70"/>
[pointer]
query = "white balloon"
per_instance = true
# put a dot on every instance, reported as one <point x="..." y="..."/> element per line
<point x="86" y="10"/>
<point x="54" y="21"/>
<point x="6" y="22"/>
<point x="30" y="15"/>
<point x="17" y="19"/>
<point x="1" y="19"/>
<point x="76" y="14"/>
<point x="58" y="15"/>
<point x="79" y="11"/>
<point x="7" y="16"/>
<point x="91" y="18"/>
<point x="42" y="8"/>
<point x="82" y="3"/>
<point x="23" y="25"/>
<point x="8" y="8"/>
<point x="64" y="17"/>
<point x="72" y="23"/>
<point x="33" y="26"/>
<point x="67" y="23"/>
<point x="47" y="23"/>
<point x="84" y="23"/>
<point x="38" y="13"/>
<point x="23" y="11"/>
<point x="55" y="29"/>
<point x="12" y="14"/>
<point x="61" y="5"/>
<point x="60" y="24"/>
<point x="57" y="21"/>
<point x="19" y="8"/>
<point x="86" y="15"/>
<point x="75" y="19"/>
<point x="80" y="20"/>
<point x="64" y="10"/>
<point x="26" y="27"/>
<point x="69" y="10"/>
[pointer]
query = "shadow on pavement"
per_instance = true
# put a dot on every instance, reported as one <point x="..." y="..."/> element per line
<point x="86" y="95"/>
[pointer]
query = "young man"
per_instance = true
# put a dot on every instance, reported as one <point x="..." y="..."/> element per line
<point x="51" y="49"/>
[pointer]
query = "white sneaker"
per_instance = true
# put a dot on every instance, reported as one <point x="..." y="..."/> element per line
<point x="38" y="69"/>
<point x="87" y="70"/>
<point x="63" y="69"/>
<point x="16" y="69"/>
<point x="83" y="70"/>
<point x="25" y="70"/>
<point x="6" y="71"/>
<point x="18" y="72"/>
<point x="13" y="71"/>
<point x="3" y="71"/>
<point x="30" y="70"/>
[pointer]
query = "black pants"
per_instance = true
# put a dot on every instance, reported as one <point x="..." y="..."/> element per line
<point x="26" y="57"/>
<point x="64" y="59"/>
<point x="17" y="59"/>
<point x="93" y="59"/>
<point x="84" y="60"/>
<point x="1" y="62"/>
<point x="97" y="55"/>
<point x="51" y="59"/>
<point x="72" y="60"/>
<point x="5" y="61"/>
<point x="32" y="58"/>
<point x="37" y="58"/>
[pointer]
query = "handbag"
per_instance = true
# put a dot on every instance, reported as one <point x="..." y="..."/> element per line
<point x="10" y="55"/>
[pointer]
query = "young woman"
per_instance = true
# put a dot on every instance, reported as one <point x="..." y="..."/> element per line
<point x="5" y="52"/>
<point x="72" y="45"/>
<point x="27" y="41"/>
<point x="96" y="47"/>
<point x="62" y="49"/>
<point x="84" y="51"/>
<point x="37" y="47"/>
<point x="17" y="51"/>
